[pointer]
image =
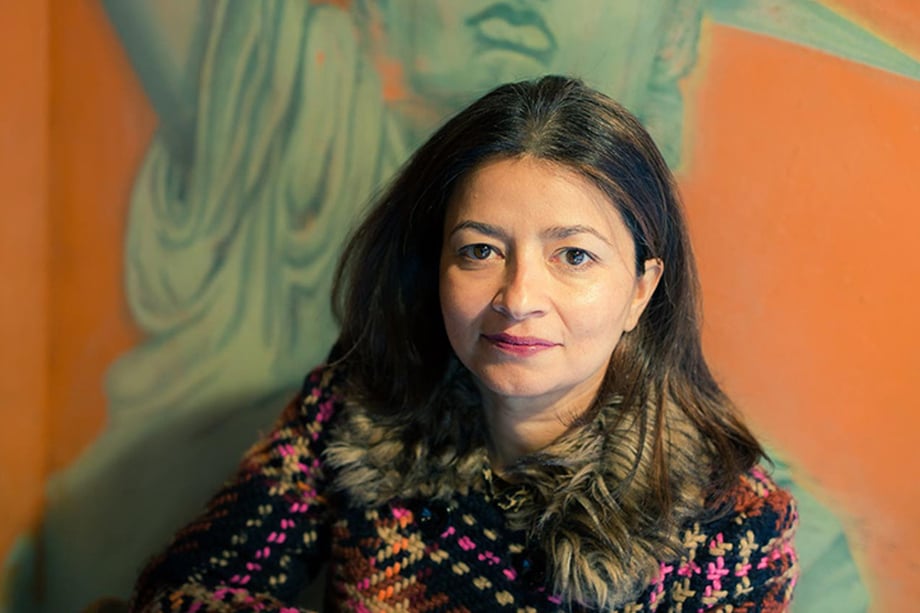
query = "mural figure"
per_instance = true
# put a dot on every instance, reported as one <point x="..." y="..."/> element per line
<point x="277" y="121"/>
<point x="242" y="202"/>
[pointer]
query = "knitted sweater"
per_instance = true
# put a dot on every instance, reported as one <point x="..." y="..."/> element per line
<point x="271" y="529"/>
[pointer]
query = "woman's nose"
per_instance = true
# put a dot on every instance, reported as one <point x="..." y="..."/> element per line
<point x="523" y="292"/>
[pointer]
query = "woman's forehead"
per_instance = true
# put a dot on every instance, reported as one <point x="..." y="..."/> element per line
<point x="509" y="190"/>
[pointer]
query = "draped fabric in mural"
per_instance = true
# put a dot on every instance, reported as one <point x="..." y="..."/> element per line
<point x="278" y="121"/>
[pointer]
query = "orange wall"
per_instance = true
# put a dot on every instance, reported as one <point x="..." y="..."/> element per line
<point x="73" y="127"/>
<point x="803" y="202"/>
<point x="23" y="264"/>
<point x="101" y="124"/>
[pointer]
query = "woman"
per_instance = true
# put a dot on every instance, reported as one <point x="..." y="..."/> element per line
<point x="517" y="414"/>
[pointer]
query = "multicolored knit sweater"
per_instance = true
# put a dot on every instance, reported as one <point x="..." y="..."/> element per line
<point x="315" y="491"/>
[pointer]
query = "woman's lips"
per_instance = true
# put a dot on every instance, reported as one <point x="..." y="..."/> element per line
<point x="518" y="345"/>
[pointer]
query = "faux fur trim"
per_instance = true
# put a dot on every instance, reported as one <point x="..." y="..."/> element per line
<point x="584" y="500"/>
<point x="372" y="463"/>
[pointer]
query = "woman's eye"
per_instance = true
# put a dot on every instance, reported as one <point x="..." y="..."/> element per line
<point x="575" y="257"/>
<point x="477" y="252"/>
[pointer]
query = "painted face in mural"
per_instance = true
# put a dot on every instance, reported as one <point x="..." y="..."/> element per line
<point x="460" y="48"/>
<point x="538" y="283"/>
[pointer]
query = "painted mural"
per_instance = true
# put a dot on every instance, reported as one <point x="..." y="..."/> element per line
<point x="278" y="121"/>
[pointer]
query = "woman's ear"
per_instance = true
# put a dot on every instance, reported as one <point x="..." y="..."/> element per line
<point x="645" y="287"/>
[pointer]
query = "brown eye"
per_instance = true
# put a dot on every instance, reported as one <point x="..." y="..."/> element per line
<point x="477" y="252"/>
<point x="576" y="257"/>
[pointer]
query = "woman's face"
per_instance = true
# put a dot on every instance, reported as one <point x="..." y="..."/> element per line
<point x="538" y="282"/>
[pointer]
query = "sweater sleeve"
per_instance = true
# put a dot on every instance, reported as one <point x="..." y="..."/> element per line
<point x="743" y="562"/>
<point x="263" y="535"/>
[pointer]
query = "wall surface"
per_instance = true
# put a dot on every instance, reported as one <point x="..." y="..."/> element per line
<point x="24" y="385"/>
<point x="100" y="123"/>
<point x="802" y="212"/>
<point x="165" y="271"/>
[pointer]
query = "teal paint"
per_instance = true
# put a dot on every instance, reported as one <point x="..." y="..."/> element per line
<point x="814" y="25"/>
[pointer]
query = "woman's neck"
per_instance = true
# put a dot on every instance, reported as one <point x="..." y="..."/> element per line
<point x="518" y="427"/>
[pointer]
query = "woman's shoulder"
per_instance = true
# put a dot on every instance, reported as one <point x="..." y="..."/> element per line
<point x="321" y="396"/>
<point x="306" y="421"/>
<point x="756" y="520"/>
<point x="743" y="555"/>
<point x="757" y="500"/>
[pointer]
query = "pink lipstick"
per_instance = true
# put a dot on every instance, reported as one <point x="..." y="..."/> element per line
<point x="518" y="345"/>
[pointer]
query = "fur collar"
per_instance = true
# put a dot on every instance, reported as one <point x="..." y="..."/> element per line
<point x="603" y="533"/>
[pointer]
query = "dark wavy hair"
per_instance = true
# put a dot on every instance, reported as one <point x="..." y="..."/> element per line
<point x="386" y="290"/>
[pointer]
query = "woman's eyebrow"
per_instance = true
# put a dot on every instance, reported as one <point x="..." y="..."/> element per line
<point x="563" y="232"/>
<point x="482" y="228"/>
<point x="553" y="233"/>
